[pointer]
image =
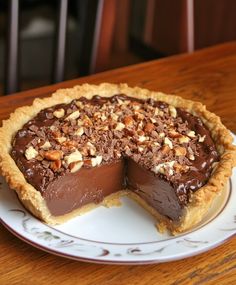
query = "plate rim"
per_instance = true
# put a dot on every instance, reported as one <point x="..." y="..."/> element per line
<point x="110" y="262"/>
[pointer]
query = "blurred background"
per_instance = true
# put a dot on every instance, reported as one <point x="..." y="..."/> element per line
<point x="103" y="35"/>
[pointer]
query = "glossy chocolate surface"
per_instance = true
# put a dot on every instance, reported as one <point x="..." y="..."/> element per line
<point x="65" y="191"/>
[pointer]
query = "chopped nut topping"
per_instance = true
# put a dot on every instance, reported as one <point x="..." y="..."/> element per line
<point x="59" y="113"/>
<point x="162" y="135"/>
<point x="87" y="121"/>
<point x="103" y="117"/>
<point x="158" y="112"/>
<point x="191" y="157"/>
<point x="165" y="149"/>
<point x="140" y="148"/>
<point x="73" y="116"/>
<point x="55" y="165"/>
<point x="104" y="128"/>
<point x="79" y="104"/>
<point x="191" y="134"/>
<point x="201" y="139"/>
<point x="30" y="153"/>
<point x="180" y="168"/>
<point x="80" y="123"/>
<point x="119" y="126"/>
<point x="52" y="128"/>
<point x="53" y="155"/>
<point x="136" y="106"/>
<point x="173" y="111"/>
<point x="61" y="139"/>
<point x="142" y="138"/>
<point x="97" y="115"/>
<point x="80" y="131"/>
<point x="168" y="142"/>
<point x="140" y="133"/>
<point x="114" y="117"/>
<point x="120" y="102"/>
<point x="180" y="151"/>
<point x="149" y="127"/>
<point x="96" y="160"/>
<point x="73" y="157"/>
<point x="174" y="134"/>
<point x="184" y="139"/>
<point x="140" y="125"/>
<point x="91" y="148"/>
<point x="138" y="115"/>
<point x="70" y="145"/>
<point x="128" y="121"/>
<point x="87" y="162"/>
<point x="75" y="166"/>
<point x="164" y="167"/>
<point x="46" y="145"/>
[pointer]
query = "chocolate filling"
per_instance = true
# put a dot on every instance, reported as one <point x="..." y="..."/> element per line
<point x="89" y="185"/>
<point x="157" y="192"/>
<point x="159" y="152"/>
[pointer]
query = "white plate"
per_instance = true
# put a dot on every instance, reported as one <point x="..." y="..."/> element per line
<point x="123" y="235"/>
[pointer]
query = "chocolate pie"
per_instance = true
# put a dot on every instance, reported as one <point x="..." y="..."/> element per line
<point x="90" y="145"/>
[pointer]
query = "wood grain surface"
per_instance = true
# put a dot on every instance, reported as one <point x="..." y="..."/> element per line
<point x="208" y="76"/>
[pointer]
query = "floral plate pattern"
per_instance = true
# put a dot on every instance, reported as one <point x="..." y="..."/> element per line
<point x="124" y="235"/>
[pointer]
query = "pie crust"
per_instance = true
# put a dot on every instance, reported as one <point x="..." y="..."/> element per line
<point x="200" y="201"/>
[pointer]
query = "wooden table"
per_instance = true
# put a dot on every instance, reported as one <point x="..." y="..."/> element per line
<point x="209" y="76"/>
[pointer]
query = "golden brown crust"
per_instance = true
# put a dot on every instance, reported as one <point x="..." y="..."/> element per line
<point x="200" y="200"/>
